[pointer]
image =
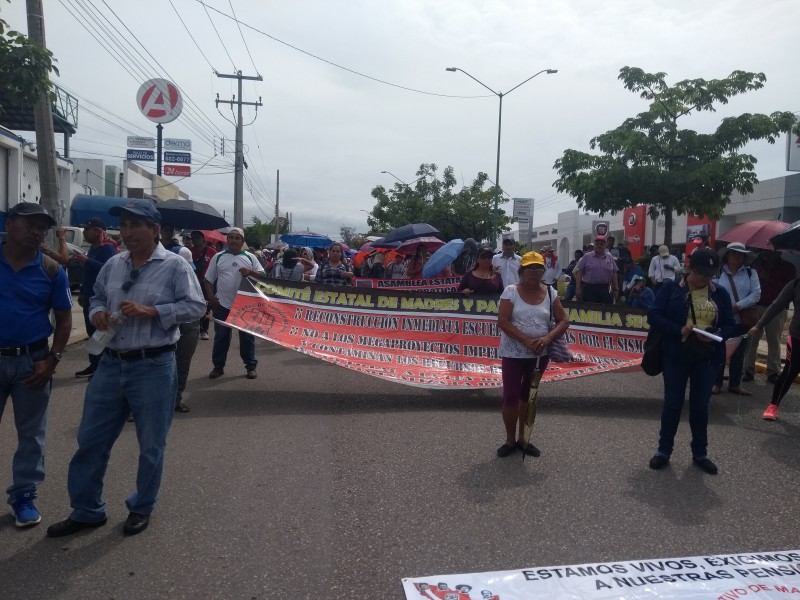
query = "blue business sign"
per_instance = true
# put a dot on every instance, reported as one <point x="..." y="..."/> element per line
<point x="178" y="157"/>
<point x="141" y="155"/>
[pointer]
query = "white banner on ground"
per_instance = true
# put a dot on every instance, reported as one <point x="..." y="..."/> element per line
<point x="762" y="575"/>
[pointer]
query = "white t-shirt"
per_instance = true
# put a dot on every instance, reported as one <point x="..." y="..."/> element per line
<point x="531" y="319"/>
<point x="507" y="267"/>
<point x="224" y="270"/>
<point x="663" y="269"/>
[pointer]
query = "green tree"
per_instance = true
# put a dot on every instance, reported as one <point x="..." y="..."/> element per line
<point x="259" y="232"/>
<point x="456" y="214"/>
<point x="650" y="160"/>
<point x="348" y="234"/>
<point x="24" y="68"/>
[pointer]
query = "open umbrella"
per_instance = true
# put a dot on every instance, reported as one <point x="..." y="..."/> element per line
<point x="755" y="234"/>
<point x="411" y="246"/>
<point x="213" y="236"/>
<point x="306" y="239"/>
<point x="443" y="257"/>
<point x="409" y="232"/>
<point x="530" y="415"/>
<point x="190" y="214"/>
<point x="381" y="243"/>
<point x="788" y="239"/>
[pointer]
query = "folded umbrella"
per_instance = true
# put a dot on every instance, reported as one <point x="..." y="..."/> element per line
<point x="755" y="234"/>
<point x="190" y="214"/>
<point x="530" y="415"/>
<point x="409" y="232"/>
<point x="443" y="257"/>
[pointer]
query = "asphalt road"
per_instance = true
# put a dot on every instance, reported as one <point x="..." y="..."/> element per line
<point x="316" y="482"/>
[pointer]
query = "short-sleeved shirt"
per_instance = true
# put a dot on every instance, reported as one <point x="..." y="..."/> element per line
<point x="596" y="270"/>
<point x="531" y="319"/>
<point x="224" y="271"/>
<point x="26" y="297"/>
<point x="201" y="258"/>
<point x="330" y="275"/>
<point x="508" y="267"/>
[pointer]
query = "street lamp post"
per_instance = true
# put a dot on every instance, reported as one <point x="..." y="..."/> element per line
<point x="408" y="185"/>
<point x="499" y="129"/>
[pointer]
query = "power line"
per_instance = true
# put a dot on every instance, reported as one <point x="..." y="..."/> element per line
<point x="244" y="40"/>
<point x="191" y="36"/>
<point x="333" y="64"/>
<point x="219" y="37"/>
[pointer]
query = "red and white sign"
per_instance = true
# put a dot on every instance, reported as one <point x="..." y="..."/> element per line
<point x="177" y="171"/>
<point x="159" y="100"/>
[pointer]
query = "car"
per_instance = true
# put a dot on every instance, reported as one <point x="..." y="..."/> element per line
<point x="74" y="268"/>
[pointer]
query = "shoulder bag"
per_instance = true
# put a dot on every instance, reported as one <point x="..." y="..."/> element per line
<point x="748" y="316"/>
<point x="558" y="348"/>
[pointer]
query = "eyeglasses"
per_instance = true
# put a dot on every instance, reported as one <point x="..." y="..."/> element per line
<point x="129" y="284"/>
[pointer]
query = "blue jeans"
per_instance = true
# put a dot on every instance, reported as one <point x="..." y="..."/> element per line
<point x="145" y="387"/>
<point x="700" y="375"/>
<point x="222" y="342"/>
<point x="30" y="420"/>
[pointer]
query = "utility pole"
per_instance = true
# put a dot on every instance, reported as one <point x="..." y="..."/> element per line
<point x="277" y="200"/>
<point x="238" y="185"/>
<point x="43" y="118"/>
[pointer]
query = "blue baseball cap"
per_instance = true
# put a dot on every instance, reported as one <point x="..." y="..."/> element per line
<point x="141" y="207"/>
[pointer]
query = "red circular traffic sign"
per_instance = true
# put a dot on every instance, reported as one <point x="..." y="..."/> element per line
<point x="159" y="100"/>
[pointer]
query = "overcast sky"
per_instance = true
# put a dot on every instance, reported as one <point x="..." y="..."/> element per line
<point x="331" y="131"/>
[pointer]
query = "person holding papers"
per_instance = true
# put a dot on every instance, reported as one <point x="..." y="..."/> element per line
<point x="682" y="311"/>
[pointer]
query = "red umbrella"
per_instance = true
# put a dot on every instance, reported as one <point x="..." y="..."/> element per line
<point x="755" y="234"/>
<point x="410" y="246"/>
<point x="212" y="235"/>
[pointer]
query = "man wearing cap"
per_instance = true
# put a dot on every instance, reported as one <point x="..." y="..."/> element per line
<point x="102" y="248"/>
<point x="663" y="267"/>
<point x="152" y="291"/>
<point x="225" y="273"/>
<point x="596" y="275"/>
<point x="744" y="288"/>
<point x="30" y="285"/>
<point x="202" y="253"/>
<point x="507" y="263"/>
<point x="639" y="295"/>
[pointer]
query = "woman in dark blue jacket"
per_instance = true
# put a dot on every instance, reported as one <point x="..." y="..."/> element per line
<point x="688" y="357"/>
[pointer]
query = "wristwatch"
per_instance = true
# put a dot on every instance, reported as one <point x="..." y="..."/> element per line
<point x="56" y="355"/>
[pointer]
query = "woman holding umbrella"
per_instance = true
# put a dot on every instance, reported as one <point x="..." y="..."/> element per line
<point x="525" y="334"/>
<point x="335" y="271"/>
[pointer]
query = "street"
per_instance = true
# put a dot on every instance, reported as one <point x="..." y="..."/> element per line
<point x="313" y="481"/>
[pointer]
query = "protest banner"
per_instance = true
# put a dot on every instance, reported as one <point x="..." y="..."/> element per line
<point x="422" y="338"/>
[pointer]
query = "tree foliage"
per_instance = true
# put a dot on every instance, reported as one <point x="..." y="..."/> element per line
<point x="24" y="68"/>
<point x="650" y="160"/>
<point x="260" y="232"/>
<point x="465" y="213"/>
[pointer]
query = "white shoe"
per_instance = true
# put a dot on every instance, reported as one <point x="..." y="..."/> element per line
<point x="203" y="335"/>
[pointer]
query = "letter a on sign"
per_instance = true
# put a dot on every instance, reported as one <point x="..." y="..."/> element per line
<point x="159" y="100"/>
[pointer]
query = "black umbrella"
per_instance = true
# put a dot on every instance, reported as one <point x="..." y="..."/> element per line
<point x="189" y="214"/>
<point x="788" y="239"/>
<point x="409" y="232"/>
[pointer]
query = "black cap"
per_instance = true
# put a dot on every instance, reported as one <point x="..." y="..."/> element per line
<point x="705" y="262"/>
<point x="30" y="209"/>
<point x="94" y="223"/>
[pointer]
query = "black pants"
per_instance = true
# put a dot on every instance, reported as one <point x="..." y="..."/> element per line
<point x="187" y="344"/>
<point x="791" y="369"/>
<point x="597" y="292"/>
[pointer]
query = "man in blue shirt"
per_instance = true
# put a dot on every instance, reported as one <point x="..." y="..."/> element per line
<point x="30" y="285"/>
<point x="151" y="291"/>
<point x="102" y="248"/>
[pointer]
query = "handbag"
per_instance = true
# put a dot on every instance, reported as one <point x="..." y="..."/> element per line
<point x="748" y="316"/>
<point x="651" y="359"/>
<point x="558" y="348"/>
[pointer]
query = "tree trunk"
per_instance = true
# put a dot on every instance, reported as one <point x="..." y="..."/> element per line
<point x="668" y="223"/>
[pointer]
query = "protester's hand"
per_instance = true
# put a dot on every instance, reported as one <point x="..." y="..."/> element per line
<point x="129" y="308"/>
<point x="755" y="331"/>
<point x="347" y="275"/>
<point x="213" y="302"/>
<point x="61" y="233"/>
<point x="79" y="257"/>
<point x="536" y="345"/>
<point x="466" y="291"/>
<point x="101" y="320"/>
<point x="42" y="372"/>
<point x="736" y="309"/>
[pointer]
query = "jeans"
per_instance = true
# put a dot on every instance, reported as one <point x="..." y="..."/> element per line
<point x="145" y="387"/>
<point x="736" y="363"/>
<point x="222" y="342"/>
<point x="90" y="329"/>
<point x="187" y="344"/>
<point x="699" y="374"/>
<point x="30" y="420"/>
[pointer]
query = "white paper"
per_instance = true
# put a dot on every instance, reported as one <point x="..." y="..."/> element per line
<point x="710" y="336"/>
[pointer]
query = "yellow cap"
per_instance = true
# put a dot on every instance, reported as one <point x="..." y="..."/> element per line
<point x="531" y="258"/>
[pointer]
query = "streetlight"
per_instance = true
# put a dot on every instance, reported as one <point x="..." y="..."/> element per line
<point x="499" y="127"/>
<point x="408" y="185"/>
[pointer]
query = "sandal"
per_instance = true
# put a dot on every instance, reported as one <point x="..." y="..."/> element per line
<point x="181" y="407"/>
<point x="506" y="450"/>
<point x="530" y="450"/>
<point x="740" y="392"/>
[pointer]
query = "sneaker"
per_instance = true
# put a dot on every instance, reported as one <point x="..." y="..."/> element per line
<point x="25" y="511"/>
<point x="216" y="372"/>
<point x="706" y="464"/>
<point x="203" y="335"/>
<point x="87" y="372"/>
<point x="251" y="374"/>
<point x="771" y="414"/>
<point x="659" y="461"/>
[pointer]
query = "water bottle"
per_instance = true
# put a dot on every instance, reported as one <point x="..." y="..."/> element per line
<point x="100" y="339"/>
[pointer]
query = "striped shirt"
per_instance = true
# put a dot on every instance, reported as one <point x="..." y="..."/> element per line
<point x="596" y="270"/>
<point x="165" y="281"/>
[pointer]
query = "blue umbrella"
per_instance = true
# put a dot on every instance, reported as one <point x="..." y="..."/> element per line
<point x="306" y="239"/>
<point x="442" y="258"/>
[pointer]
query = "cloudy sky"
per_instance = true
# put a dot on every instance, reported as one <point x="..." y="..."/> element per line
<point x="354" y="88"/>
